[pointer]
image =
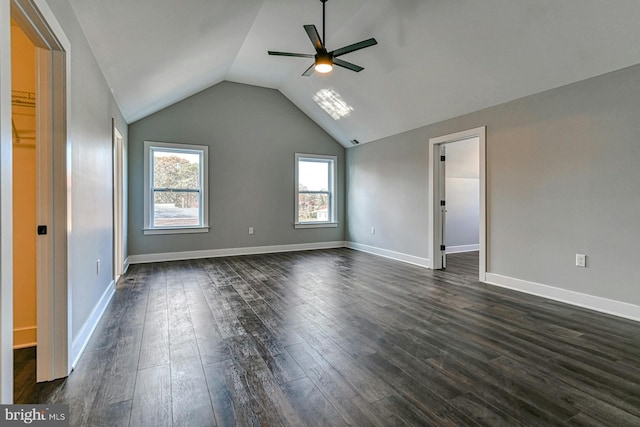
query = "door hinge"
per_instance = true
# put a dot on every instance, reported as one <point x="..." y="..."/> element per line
<point x="42" y="229"/>
<point x="442" y="247"/>
<point x="442" y="158"/>
<point x="442" y="203"/>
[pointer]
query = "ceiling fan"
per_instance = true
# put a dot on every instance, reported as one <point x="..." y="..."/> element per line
<point x="324" y="60"/>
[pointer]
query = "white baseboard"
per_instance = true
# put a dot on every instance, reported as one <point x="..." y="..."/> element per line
<point x="398" y="256"/>
<point x="25" y="337"/>
<point x="215" y="253"/>
<point x="603" y="305"/>
<point x="25" y="345"/>
<point x="82" y="339"/>
<point x="462" y="248"/>
<point x="125" y="266"/>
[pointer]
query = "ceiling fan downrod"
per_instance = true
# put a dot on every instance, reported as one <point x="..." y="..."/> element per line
<point x="324" y="30"/>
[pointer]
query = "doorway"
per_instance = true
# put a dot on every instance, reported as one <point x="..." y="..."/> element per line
<point x="25" y="174"/>
<point x="438" y="197"/>
<point x="38" y="23"/>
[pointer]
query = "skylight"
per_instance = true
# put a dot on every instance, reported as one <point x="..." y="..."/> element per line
<point x="331" y="102"/>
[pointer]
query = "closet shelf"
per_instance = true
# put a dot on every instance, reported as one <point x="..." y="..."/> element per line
<point x="23" y="99"/>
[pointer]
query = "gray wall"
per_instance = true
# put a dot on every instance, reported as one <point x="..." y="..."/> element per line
<point x="462" y="193"/>
<point x="463" y="212"/>
<point x="252" y="134"/>
<point x="387" y="189"/>
<point x="91" y="231"/>
<point x="562" y="178"/>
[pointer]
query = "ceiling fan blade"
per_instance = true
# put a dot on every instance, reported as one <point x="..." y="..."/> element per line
<point x="309" y="70"/>
<point x="354" y="47"/>
<point x="347" y="65"/>
<point x="300" y="55"/>
<point x="312" y="32"/>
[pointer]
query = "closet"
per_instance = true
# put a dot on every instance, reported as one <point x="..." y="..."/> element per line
<point x="23" y="122"/>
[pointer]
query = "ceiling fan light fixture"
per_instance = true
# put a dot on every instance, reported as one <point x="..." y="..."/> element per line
<point x="324" y="64"/>
<point x="325" y="60"/>
<point x="323" y="68"/>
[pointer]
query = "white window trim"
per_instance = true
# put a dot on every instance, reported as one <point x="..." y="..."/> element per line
<point x="315" y="224"/>
<point x="148" y="194"/>
<point x="333" y="223"/>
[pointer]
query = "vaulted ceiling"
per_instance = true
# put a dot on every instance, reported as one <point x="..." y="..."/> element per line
<point x="435" y="59"/>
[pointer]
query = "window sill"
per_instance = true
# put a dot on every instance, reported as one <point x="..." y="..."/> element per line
<point x="176" y="230"/>
<point x="315" y="225"/>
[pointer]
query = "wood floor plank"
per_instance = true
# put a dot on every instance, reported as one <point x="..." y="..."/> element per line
<point x="339" y="392"/>
<point x="481" y="412"/>
<point x="151" y="404"/>
<point x="79" y="391"/>
<point x="312" y="406"/>
<point x="116" y="414"/>
<point x="191" y="403"/>
<point x="368" y="385"/>
<point x="284" y="367"/>
<point x="506" y="393"/>
<point x="404" y="410"/>
<point x="212" y="347"/>
<point x="155" y="340"/>
<point x="429" y="398"/>
<point x="583" y="398"/>
<point x="231" y="402"/>
<point x="120" y="367"/>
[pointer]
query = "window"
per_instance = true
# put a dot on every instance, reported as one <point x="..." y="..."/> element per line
<point x="175" y="185"/>
<point x="315" y="191"/>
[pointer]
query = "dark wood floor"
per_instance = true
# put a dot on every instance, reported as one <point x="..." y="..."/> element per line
<point x="339" y="337"/>
<point x="24" y="375"/>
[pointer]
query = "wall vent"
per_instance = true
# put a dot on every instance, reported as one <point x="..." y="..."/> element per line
<point x="355" y="142"/>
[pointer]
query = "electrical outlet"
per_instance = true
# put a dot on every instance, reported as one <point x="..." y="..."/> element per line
<point x="251" y="230"/>
<point x="373" y="230"/>
<point x="581" y="260"/>
<point x="98" y="266"/>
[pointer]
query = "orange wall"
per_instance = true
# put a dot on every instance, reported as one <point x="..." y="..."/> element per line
<point x="24" y="194"/>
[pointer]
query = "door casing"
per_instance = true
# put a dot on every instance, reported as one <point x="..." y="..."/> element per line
<point x="435" y="238"/>
<point x="118" y="203"/>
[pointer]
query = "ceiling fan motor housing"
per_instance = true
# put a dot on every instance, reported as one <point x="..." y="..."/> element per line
<point x="324" y="57"/>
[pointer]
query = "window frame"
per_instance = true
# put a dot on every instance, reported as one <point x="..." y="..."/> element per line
<point x="203" y="151"/>
<point x="332" y="221"/>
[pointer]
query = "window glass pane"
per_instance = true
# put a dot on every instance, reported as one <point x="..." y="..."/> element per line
<point x="313" y="207"/>
<point x="313" y="175"/>
<point x="176" y="208"/>
<point x="315" y="192"/>
<point x="176" y="178"/>
<point x="176" y="170"/>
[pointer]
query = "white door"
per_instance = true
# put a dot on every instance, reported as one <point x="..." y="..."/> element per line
<point x="442" y="190"/>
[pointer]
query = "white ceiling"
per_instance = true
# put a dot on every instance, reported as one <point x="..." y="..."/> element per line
<point x="435" y="59"/>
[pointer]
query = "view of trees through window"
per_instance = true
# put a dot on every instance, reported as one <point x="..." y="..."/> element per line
<point x="176" y="188"/>
<point x="314" y="196"/>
